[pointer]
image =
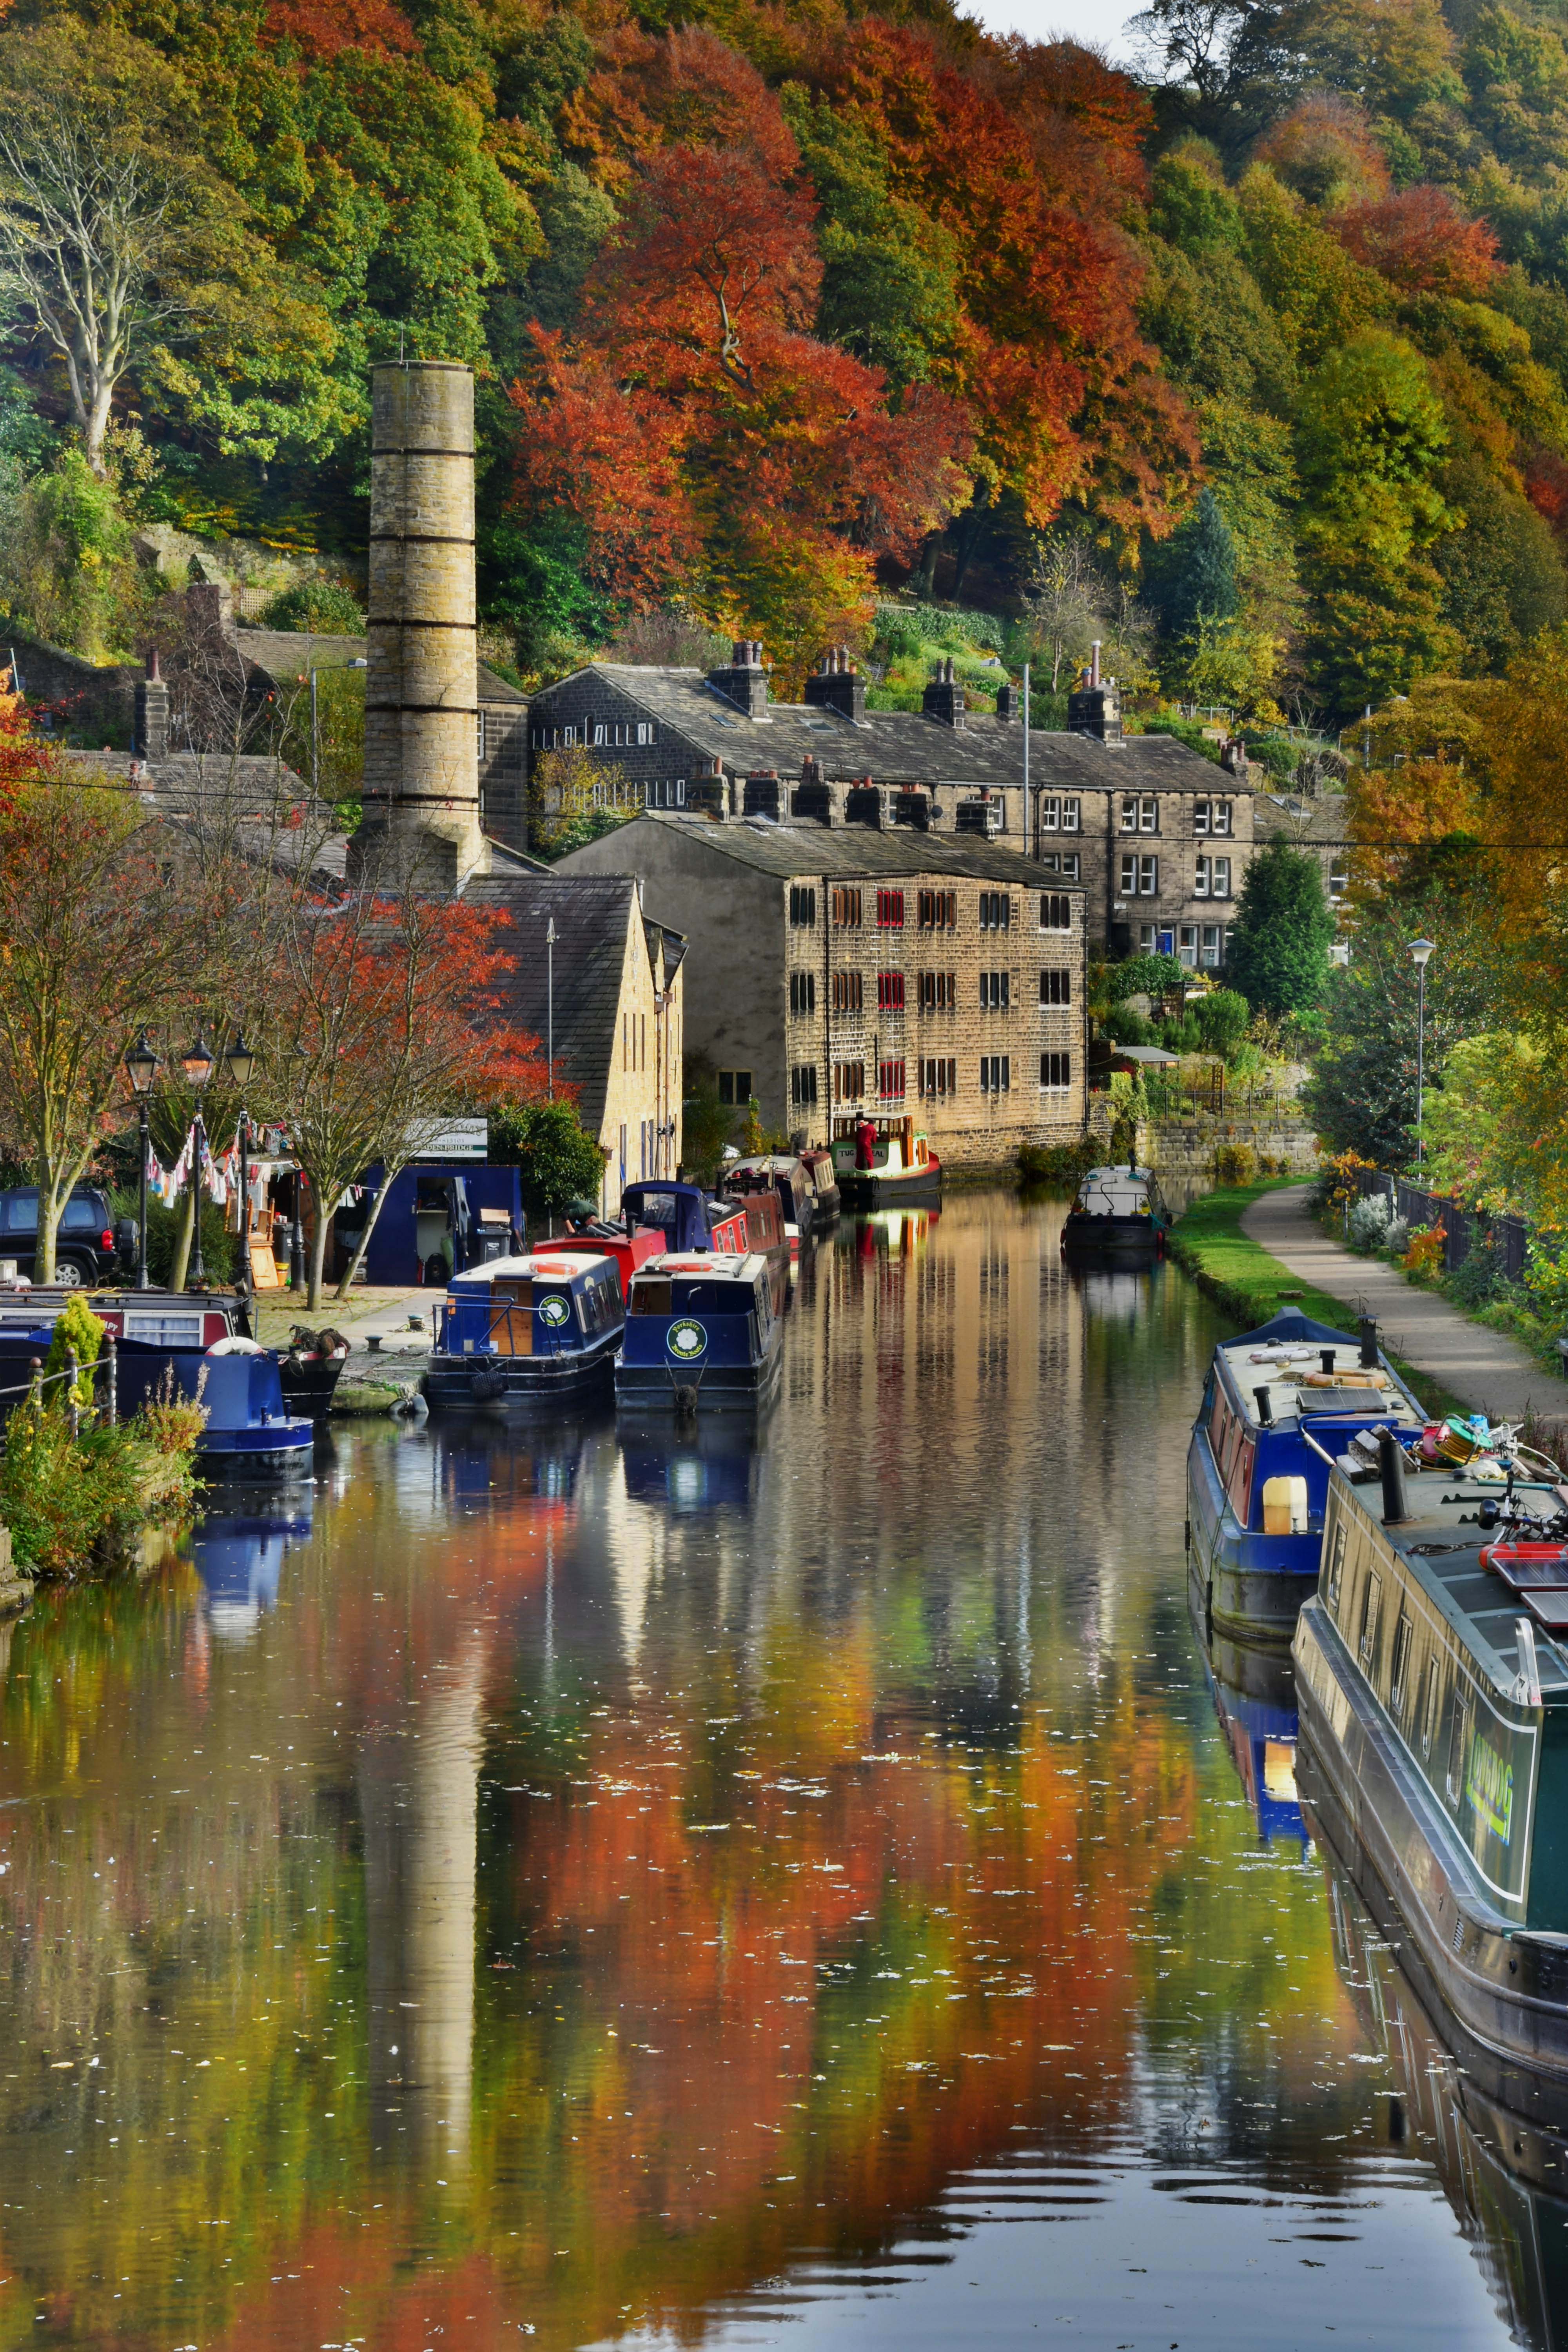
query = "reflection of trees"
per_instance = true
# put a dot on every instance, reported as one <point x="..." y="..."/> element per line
<point x="753" y="1870"/>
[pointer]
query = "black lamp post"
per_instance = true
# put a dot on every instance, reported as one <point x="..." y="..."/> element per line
<point x="239" y="1062"/>
<point x="198" y="1067"/>
<point x="143" y="1064"/>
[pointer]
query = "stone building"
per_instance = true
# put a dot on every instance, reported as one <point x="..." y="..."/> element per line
<point x="834" y="974"/>
<point x="610" y="995"/>
<point x="1157" y="836"/>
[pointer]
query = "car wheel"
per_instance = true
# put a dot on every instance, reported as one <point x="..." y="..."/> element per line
<point x="69" y="1274"/>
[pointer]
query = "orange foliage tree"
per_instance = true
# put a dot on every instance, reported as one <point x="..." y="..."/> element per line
<point x="387" y="1017"/>
<point x="698" y="429"/>
<point x="1421" y="241"/>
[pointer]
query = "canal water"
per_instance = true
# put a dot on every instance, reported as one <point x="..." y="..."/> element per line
<point x="797" y="1888"/>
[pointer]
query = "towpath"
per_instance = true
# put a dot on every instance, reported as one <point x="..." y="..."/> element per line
<point x="1492" y="1375"/>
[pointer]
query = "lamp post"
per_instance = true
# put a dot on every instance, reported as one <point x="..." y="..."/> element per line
<point x="239" y="1062"/>
<point x="550" y="1007"/>
<point x="197" y="1064"/>
<point x="143" y="1064"/>
<point x="1420" y="953"/>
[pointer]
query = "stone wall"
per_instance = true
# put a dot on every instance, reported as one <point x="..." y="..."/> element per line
<point x="1189" y="1147"/>
<point x="93" y="703"/>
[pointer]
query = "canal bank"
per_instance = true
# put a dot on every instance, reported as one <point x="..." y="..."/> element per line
<point x="637" y="1886"/>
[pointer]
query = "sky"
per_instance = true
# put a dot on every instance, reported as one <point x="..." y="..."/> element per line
<point x="1096" y="21"/>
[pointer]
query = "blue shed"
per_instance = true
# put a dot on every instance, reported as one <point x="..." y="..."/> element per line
<point x="435" y="1222"/>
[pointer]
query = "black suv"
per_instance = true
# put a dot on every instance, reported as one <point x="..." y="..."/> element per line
<point x="89" y="1249"/>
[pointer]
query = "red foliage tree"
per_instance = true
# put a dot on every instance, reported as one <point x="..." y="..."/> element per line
<point x="1421" y="242"/>
<point x="321" y="30"/>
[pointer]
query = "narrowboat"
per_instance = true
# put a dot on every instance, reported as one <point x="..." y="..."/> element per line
<point x="1118" y="1213"/>
<point x="688" y="1217"/>
<point x="817" y="1162"/>
<point x="882" y="1162"/>
<point x="1255" y="1485"/>
<point x="311" y="1371"/>
<point x="1433" y="1688"/>
<point x="767" y="1238"/>
<point x="625" y="1246"/>
<point x="781" y="1173"/>
<point x="535" y="1330"/>
<point x="198" y="1341"/>
<point x="701" y="1335"/>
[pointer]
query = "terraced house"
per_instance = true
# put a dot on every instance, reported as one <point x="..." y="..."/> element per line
<point x="835" y="975"/>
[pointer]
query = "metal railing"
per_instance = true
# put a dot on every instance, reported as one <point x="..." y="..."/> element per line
<point x="108" y="1364"/>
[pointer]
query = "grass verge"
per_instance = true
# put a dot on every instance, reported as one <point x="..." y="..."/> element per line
<point x="1251" y="1287"/>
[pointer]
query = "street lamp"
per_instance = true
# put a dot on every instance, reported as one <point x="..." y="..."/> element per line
<point x="143" y="1064"/>
<point x="1420" y="954"/>
<point x="197" y="1064"/>
<point x="239" y="1062"/>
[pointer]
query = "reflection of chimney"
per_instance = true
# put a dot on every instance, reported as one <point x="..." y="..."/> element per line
<point x="421" y="710"/>
<point x="153" y="712"/>
<point x="419" y="1804"/>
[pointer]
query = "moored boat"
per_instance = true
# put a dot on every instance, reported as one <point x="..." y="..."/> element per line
<point x="781" y="1173"/>
<point x="883" y="1161"/>
<point x="1118" y="1212"/>
<point x="1256" y="1487"/>
<point x="1433" y="1688"/>
<point x="688" y="1217"/>
<point x="627" y="1245"/>
<point x="817" y="1162"/>
<point x="701" y="1336"/>
<point x="541" y="1329"/>
<point x="312" y="1369"/>
<point x="767" y="1238"/>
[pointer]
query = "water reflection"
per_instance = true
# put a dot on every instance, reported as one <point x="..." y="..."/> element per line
<point x="1254" y="1695"/>
<point x="636" y="1888"/>
<point x="240" y="1552"/>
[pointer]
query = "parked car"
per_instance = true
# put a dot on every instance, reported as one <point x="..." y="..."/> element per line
<point x="88" y="1247"/>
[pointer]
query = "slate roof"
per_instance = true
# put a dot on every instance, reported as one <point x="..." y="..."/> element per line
<point x="190" y="780"/>
<point x="591" y="913"/>
<point x="893" y="746"/>
<point x="1318" y="820"/>
<point x="287" y="656"/>
<point x="787" y="849"/>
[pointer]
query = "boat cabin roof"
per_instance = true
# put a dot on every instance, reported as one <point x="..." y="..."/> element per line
<point x="1301" y="1384"/>
<point x="560" y="1266"/>
<point x="706" y="1268"/>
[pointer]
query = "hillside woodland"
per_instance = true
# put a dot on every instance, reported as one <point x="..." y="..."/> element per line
<point x="1255" y="365"/>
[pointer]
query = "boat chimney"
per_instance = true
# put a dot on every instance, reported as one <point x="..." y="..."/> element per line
<point x="1367" y="1327"/>
<point x="1326" y="1358"/>
<point x="1391" y="1468"/>
<point x="1264" y="1403"/>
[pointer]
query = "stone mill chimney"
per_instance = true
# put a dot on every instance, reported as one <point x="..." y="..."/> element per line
<point x="421" y="703"/>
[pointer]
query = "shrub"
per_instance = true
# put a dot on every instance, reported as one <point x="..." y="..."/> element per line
<point x="1396" y="1240"/>
<point x="1546" y="1282"/>
<point x="1426" y="1253"/>
<point x="1368" y="1221"/>
<point x="1482" y="1273"/>
<point x="1235" y="1164"/>
<point x="1222" y="1017"/>
<point x="317" y="607"/>
<point x="77" y="1327"/>
<point x="1056" y="1163"/>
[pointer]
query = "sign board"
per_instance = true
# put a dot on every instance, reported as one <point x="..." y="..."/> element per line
<point x="440" y="1140"/>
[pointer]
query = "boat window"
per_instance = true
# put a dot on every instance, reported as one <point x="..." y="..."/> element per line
<point x="1458" y="1741"/>
<point x="512" y="1290"/>
<point x="1371" y="1609"/>
<point x="1429" y="1704"/>
<point x="656" y="1208"/>
<point x="713" y="1298"/>
<point x="1238" y="1485"/>
<point x="651" y="1299"/>
<point x="1336" y="1569"/>
<point x="165" y="1330"/>
<point x="1398" y="1671"/>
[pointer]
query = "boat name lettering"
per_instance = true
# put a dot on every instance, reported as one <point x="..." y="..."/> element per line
<point x="1489" y="1788"/>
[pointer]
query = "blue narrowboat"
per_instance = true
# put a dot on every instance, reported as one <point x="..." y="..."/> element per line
<point x="534" y="1330"/>
<point x="197" y="1341"/>
<point x="688" y="1217"/>
<point x="701" y="1335"/>
<point x="1255" y="1487"/>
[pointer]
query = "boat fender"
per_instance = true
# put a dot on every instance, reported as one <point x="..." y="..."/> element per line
<point x="685" y="1400"/>
<point x="236" y="1347"/>
<point x="484" y="1385"/>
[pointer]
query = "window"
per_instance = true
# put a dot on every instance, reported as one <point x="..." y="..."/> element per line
<point x="1064" y="862"/>
<point x="1339" y="880"/>
<point x="1203" y="876"/>
<point x="1220" y="877"/>
<point x="1056" y="911"/>
<point x="849" y="1081"/>
<point x="938" y="1078"/>
<point x="1200" y="818"/>
<point x="1146" y="938"/>
<point x="1336" y="1569"/>
<point x="1371" y="1609"/>
<point x="1055" y="1072"/>
<point x="1222" y="818"/>
<point x="938" y="992"/>
<point x="1399" y="1669"/>
<point x="667" y="794"/>
<point x="1429" y="1704"/>
<point x="890" y="991"/>
<point x="734" y="1087"/>
<point x="994" y="992"/>
<point x="847" y="992"/>
<point x="1458" y="1741"/>
<point x="802" y="1086"/>
<point x="645" y="731"/>
<point x="1059" y="813"/>
<point x="480" y="735"/>
<point x="890" y="1081"/>
<point x="890" y="910"/>
<point x="1140" y="812"/>
<point x="846" y="908"/>
<point x="938" y="910"/>
<point x="995" y="910"/>
<point x="1187" y="945"/>
<point x="1139" y="878"/>
<point x="1209" y="954"/>
<point x="995" y="1074"/>
<point x="1055" y="988"/>
<point x="802" y="992"/>
<point x="802" y="905"/>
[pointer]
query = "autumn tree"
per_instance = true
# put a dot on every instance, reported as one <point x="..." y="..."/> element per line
<point x="388" y="1016"/>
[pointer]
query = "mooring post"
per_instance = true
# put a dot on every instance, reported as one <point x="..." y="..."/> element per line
<point x="113" y="1383"/>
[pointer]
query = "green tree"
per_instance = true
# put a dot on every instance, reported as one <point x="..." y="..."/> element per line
<point x="1222" y="1017"/>
<point x="558" y="1159"/>
<point x="1360" y="1094"/>
<point x="1192" y="577"/>
<point x="1278" y="955"/>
